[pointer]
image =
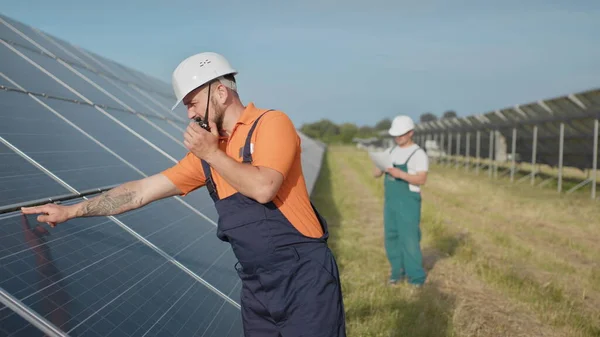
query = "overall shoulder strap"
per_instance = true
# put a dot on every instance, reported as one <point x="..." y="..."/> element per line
<point x="210" y="184"/>
<point x="247" y="154"/>
<point x="415" y="151"/>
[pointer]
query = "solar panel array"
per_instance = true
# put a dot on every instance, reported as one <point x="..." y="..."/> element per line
<point x="73" y="123"/>
<point x="536" y="125"/>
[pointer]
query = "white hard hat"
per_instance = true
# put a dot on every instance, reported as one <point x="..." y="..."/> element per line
<point x="401" y="125"/>
<point x="198" y="70"/>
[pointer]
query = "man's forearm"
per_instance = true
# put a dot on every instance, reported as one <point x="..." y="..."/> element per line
<point x="418" y="179"/>
<point x="246" y="179"/>
<point x="414" y="179"/>
<point x="115" y="201"/>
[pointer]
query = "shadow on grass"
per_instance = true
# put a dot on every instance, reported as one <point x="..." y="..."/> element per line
<point x="426" y="312"/>
<point x="442" y="243"/>
<point x="322" y="197"/>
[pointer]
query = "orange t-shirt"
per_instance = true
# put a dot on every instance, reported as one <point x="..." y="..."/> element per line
<point x="275" y="144"/>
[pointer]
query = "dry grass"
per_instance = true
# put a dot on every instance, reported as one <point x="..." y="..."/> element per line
<point x="499" y="263"/>
<point x="571" y="176"/>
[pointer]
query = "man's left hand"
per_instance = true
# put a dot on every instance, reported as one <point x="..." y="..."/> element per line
<point x="200" y="142"/>
<point x="396" y="172"/>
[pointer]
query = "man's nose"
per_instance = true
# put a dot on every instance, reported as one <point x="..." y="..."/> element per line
<point x="191" y="113"/>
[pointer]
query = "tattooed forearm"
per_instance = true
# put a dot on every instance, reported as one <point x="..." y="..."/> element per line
<point x="112" y="202"/>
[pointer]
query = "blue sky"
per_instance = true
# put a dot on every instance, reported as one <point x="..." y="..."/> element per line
<point x="350" y="61"/>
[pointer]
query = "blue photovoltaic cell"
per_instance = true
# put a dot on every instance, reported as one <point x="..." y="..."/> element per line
<point x="121" y="141"/>
<point x="20" y="181"/>
<point x="118" y="139"/>
<point x="201" y="200"/>
<point x="187" y="237"/>
<point x="90" y="277"/>
<point x="109" y="87"/>
<point x="30" y="77"/>
<point x="146" y="103"/>
<point x="138" y="104"/>
<point x="174" y="147"/>
<point x="180" y="110"/>
<point x="57" y="146"/>
<point x="142" y="79"/>
<point x="11" y="36"/>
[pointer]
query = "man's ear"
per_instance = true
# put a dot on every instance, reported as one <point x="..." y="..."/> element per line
<point x="222" y="94"/>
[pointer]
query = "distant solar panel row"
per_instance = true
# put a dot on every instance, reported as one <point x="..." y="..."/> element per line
<point x="540" y="120"/>
<point x="72" y="122"/>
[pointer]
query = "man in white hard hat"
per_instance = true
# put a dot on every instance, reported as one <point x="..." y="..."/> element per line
<point x="250" y="161"/>
<point x="402" y="208"/>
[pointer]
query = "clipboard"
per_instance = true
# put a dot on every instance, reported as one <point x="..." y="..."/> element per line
<point x="382" y="160"/>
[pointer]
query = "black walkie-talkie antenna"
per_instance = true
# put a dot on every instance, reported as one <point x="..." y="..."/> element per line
<point x="204" y="123"/>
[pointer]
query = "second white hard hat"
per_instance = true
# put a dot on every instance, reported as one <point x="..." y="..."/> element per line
<point x="401" y="125"/>
<point x="198" y="70"/>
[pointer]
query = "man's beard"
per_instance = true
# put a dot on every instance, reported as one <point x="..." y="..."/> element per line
<point x="218" y="116"/>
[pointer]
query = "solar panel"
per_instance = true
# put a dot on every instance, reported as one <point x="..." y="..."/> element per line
<point x="20" y="181"/>
<point x="93" y="276"/>
<point x="576" y="113"/>
<point x="73" y="123"/>
<point x="57" y="146"/>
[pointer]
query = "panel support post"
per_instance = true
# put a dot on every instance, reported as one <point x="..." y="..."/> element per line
<point x="449" y="148"/>
<point x="457" y="150"/>
<point x="534" y="155"/>
<point x="435" y="141"/>
<point x="514" y="150"/>
<point x="560" y="155"/>
<point x="468" y="152"/>
<point x="442" y="147"/>
<point x="595" y="160"/>
<point x="477" y="151"/>
<point x="491" y="163"/>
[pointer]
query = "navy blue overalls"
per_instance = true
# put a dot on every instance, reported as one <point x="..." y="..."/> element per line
<point x="290" y="282"/>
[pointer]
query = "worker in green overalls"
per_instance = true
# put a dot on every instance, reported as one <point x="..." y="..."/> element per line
<point x="402" y="209"/>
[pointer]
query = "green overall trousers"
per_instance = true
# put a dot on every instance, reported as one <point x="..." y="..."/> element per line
<point x="402" y="217"/>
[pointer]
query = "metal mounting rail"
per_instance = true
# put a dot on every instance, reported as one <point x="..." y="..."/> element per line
<point x="103" y="106"/>
<point x="54" y="199"/>
<point x="29" y="315"/>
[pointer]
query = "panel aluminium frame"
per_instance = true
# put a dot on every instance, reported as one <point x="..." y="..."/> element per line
<point x="29" y="315"/>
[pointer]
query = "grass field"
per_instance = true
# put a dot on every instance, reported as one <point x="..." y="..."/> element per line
<point x="502" y="260"/>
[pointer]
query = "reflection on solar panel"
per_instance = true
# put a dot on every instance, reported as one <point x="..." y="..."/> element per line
<point x="73" y="124"/>
<point x="558" y="132"/>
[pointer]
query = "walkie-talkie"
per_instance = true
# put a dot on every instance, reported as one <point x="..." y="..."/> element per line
<point x="204" y="122"/>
